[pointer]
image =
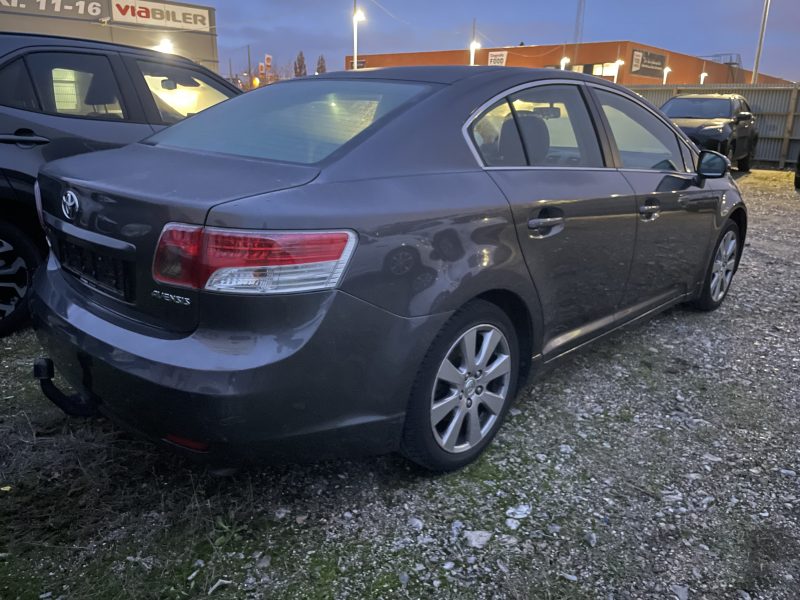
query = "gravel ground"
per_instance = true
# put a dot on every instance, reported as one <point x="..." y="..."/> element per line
<point x="660" y="463"/>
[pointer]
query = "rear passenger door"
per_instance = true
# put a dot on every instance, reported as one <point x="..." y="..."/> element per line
<point x="675" y="210"/>
<point x="64" y="102"/>
<point x="574" y="215"/>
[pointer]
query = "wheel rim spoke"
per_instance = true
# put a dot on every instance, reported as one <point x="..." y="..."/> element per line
<point x="442" y="409"/>
<point x="469" y="344"/>
<point x="488" y="346"/>
<point x="14" y="277"/>
<point x="450" y="436"/>
<point x="493" y="402"/>
<point x="450" y="373"/>
<point x="501" y="366"/>
<point x="474" y="433"/>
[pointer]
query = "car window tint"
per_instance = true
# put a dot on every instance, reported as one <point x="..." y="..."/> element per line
<point x="643" y="141"/>
<point x="76" y="85"/>
<point x="496" y="137"/>
<point x="556" y="127"/>
<point x="16" y="89"/>
<point x="302" y="121"/>
<point x="179" y="92"/>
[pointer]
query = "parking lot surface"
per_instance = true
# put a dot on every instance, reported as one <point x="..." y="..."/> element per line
<point x="660" y="462"/>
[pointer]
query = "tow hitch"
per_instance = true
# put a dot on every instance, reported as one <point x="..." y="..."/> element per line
<point x="75" y="405"/>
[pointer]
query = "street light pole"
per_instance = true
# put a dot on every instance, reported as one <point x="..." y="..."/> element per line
<point x="764" y="16"/>
<point x="358" y="16"/>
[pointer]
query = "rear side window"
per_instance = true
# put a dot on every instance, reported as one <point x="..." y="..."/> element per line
<point x="180" y="93"/>
<point x="76" y="85"/>
<point x="16" y="89"/>
<point x="496" y="137"/>
<point x="643" y="141"/>
<point x="302" y="121"/>
<point x="556" y="127"/>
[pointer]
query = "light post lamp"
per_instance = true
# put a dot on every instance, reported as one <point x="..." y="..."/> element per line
<point x="619" y="62"/>
<point x="667" y="71"/>
<point x="703" y="76"/>
<point x="358" y="17"/>
<point x="564" y="62"/>
<point x="764" y="15"/>
<point x="474" y="46"/>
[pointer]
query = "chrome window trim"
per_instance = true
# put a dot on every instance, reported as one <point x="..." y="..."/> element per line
<point x="478" y="112"/>
<point x="677" y="130"/>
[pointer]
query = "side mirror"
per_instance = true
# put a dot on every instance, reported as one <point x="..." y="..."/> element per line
<point x="712" y="165"/>
<point x="744" y="116"/>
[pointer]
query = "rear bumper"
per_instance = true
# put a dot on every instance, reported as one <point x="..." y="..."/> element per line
<point x="335" y="382"/>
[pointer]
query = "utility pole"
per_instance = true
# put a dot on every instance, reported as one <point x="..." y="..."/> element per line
<point x="249" y="69"/>
<point x="764" y="16"/>
<point x="230" y="69"/>
<point x="579" y="28"/>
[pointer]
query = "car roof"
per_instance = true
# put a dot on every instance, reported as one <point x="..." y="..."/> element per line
<point x="450" y="74"/>
<point x="10" y="42"/>
<point x="717" y="96"/>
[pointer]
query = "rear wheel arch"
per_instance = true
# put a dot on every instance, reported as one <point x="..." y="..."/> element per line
<point x="520" y="314"/>
<point x="739" y="216"/>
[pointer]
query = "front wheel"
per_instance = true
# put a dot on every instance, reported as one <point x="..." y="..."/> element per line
<point x="744" y="163"/>
<point x="465" y="385"/>
<point x="19" y="259"/>
<point x="720" y="271"/>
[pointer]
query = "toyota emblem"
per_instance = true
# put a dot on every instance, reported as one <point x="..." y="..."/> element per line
<point x="70" y="205"/>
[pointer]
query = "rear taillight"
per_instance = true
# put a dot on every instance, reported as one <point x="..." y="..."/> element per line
<point x="251" y="262"/>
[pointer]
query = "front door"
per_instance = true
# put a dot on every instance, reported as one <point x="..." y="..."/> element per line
<point x="675" y="211"/>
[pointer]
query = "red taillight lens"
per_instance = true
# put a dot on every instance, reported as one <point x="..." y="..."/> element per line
<point x="177" y="260"/>
<point x="251" y="262"/>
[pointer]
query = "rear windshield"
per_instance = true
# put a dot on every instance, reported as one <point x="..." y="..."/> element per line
<point x="301" y="121"/>
<point x="697" y="108"/>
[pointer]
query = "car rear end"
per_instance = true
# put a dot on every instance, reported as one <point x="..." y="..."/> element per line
<point x="227" y="341"/>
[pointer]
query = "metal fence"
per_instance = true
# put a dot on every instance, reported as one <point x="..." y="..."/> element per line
<point x="777" y="108"/>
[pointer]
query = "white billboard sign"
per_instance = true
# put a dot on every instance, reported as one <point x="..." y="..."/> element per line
<point x="160" y="14"/>
<point x="497" y="59"/>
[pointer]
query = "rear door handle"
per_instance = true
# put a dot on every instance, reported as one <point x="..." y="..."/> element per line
<point x="542" y="227"/>
<point x="649" y="211"/>
<point x="23" y="140"/>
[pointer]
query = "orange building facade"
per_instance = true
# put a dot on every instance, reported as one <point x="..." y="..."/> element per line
<point x="641" y="64"/>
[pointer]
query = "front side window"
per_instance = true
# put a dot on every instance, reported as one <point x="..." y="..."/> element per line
<point x="496" y="137"/>
<point x="556" y="128"/>
<point x="643" y="140"/>
<point x="302" y="121"/>
<point x="179" y="92"/>
<point x="76" y="85"/>
<point x="16" y="89"/>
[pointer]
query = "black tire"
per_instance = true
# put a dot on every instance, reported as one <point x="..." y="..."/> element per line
<point x="19" y="259"/>
<point x="419" y="443"/>
<point x="744" y="163"/>
<point x="707" y="300"/>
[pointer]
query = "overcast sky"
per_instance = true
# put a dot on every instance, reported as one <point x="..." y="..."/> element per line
<point x="284" y="27"/>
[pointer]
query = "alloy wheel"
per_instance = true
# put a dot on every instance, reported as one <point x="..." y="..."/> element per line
<point x="14" y="276"/>
<point x="724" y="266"/>
<point x="471" y="388"/>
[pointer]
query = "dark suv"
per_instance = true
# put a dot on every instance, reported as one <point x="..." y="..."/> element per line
<point x="61" y="96"/>
<point x="720" y="122"/>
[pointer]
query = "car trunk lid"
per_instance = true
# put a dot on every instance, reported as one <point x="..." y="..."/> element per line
<point x="124" y="198"/>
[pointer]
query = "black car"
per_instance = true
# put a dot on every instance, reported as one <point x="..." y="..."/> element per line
<point x="720" y="122"/>
<point x="370" y="261"/>
<point x="60" y="97"/>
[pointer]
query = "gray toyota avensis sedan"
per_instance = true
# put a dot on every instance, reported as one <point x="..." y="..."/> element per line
<point x="369" y="262"/>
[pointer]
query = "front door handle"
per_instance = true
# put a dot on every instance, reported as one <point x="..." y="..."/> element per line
<point x="542" y="227"/>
